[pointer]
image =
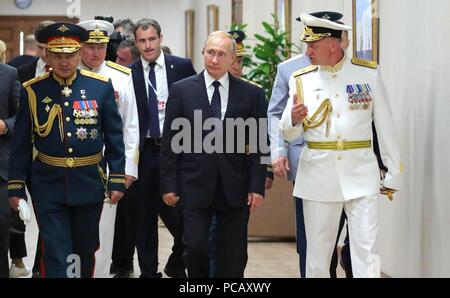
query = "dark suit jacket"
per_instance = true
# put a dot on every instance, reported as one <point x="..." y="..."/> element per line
<point x="176" y="69"/>
<point x="239" y="173"/>
<point x="9" y="98"/>
<point x="27" y="71"/>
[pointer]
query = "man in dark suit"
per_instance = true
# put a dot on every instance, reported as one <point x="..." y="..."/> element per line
<point x="153" y="75"/>
<point x="201" y="181"/>
<point x="10" y="90"/>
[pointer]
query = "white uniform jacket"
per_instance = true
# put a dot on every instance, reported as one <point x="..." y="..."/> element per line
<point x="126" y="103"/>
<point x="332" y="175"/>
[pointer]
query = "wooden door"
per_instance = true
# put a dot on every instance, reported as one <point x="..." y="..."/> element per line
<point x="11" y="26"/>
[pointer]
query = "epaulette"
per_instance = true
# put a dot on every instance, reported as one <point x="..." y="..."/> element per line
<point x="119" y="67"/>
<point x="36" y="79"/>
<point x="305" y="70"/>
<point x="365" y="63"/>
<point x="94" y="75"/>
<point x="251" y="82"/>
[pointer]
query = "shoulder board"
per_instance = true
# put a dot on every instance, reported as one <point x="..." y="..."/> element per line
<point x="251" y="82"/>
<point x="36" y="79"/>
<point x="93" y="75"/>
<point x="365" y="63"/>
<point x="118" y="67"/>
<point x="305" y="70"/>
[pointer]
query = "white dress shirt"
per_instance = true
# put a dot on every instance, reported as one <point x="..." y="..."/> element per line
<point x="223" y="90"/>
<point x="40" y="67"/>
<point x="162" y="88"/>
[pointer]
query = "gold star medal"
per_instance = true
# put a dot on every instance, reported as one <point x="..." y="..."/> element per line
<point x="81" y="133"/>
<point x="66" y="91"/>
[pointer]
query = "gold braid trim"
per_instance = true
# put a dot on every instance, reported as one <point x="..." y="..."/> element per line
<point x="44" y="129"/>
<point x="117" y="180"/>
<point x="321" y="113"/>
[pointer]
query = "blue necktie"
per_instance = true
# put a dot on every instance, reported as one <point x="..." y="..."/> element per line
<point x="216" y="107"/>
<point x="153" y="103"/>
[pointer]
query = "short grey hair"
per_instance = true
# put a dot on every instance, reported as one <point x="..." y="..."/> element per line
<point x="129" y="43"/>
<point x="127" y="25"/>
<point x="222" y="34"/>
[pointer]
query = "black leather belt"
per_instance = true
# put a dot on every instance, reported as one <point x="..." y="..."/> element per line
<point x="154" y="141"/>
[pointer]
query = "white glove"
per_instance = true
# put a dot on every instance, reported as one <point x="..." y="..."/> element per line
<point x="24" y="211"/>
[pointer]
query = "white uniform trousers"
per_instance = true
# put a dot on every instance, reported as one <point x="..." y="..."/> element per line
<point x="106" y="232"/>
<point x="321" y="224"/>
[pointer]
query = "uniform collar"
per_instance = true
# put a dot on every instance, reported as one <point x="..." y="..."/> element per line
<point x="335" y="68"/>
<point x="64" y="82"/>
<point x="84" y="66"/>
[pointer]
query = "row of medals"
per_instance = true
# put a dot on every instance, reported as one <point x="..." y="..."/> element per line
<point x="359" y="101"/>
<point x="85" y="117"/>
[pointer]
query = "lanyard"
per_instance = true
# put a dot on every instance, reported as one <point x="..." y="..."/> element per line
<point x="147" y="80"/>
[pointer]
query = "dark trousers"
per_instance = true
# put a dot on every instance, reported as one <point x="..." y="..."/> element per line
<point x="17" y="246"/>
<point x="123" y="246"/>
<point x="231" y="238"/>
<point x="70" y="237"/>
<point x="5" y="218"/>
<point x="213" y="245"/>
<point x="144" y="207"/>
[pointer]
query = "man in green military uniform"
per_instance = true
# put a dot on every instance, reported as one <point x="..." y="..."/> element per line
<point x="72" y="118"/>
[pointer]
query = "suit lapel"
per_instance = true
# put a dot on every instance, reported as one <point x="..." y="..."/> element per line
<point x="200" y="89"/>
<point x="233" y="96"/>
<point x="170" y="70"/>
<point x="141" y="91"/>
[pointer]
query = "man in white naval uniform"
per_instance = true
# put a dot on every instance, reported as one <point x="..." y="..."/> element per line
<point x="332" y="104"/>
<point x="93" y="55"/>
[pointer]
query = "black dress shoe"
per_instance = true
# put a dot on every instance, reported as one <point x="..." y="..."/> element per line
<point x="175" y="272"/>
<point x="124" y="274"/>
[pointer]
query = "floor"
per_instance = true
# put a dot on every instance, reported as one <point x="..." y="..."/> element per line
<point x="266" y="259"/>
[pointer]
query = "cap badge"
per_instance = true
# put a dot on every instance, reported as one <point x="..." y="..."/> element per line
<point x="63" y="28"/>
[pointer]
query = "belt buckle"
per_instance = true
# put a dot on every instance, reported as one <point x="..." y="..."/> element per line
<point x="340" y="146"/>
<point x="70" y="162"/>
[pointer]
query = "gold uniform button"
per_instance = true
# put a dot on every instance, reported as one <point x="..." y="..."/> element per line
<point x="339" y="136"/>
<point x="66" y="104"/>
<point x="70" y="150"/>
<point x="69" y="134"/>
<point x="67" y="119"/>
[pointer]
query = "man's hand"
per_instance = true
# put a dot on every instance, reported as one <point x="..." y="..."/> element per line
<point x="280" y="166"/>
<point x="129" y="180"/>
<point x="14" y="203"/>
<point x="2" y="127"/>
<point x="19" y="204"/>
<point x="115" y="196"/>
<point x="299" y="112"/>
<point x="254" y="200"/>
<point x="170" y="199"/>
<point x="269" y="183"/>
